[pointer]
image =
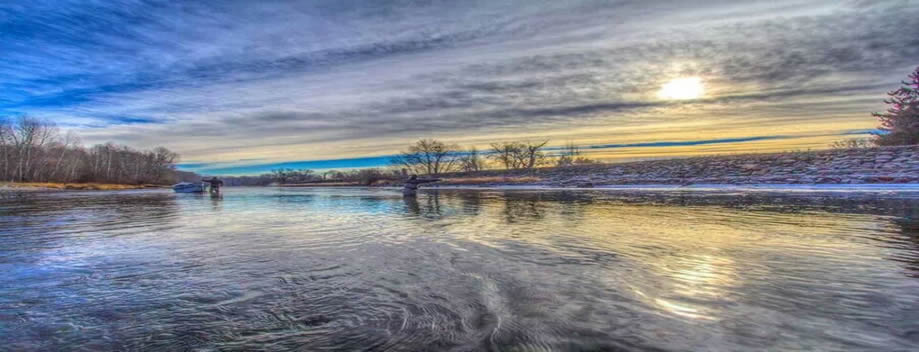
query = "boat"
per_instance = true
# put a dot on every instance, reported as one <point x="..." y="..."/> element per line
<point x="188" y="187"/>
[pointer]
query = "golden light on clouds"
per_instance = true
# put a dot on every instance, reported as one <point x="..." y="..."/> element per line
<point x="682" y="89"/>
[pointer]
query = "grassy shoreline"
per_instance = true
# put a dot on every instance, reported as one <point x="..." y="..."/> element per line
<point x="69" y="186"/>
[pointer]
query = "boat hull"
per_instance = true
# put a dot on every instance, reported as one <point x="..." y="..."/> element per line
<point x="187" y="187"/>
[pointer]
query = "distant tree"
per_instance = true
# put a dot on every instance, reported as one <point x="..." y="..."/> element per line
<point x="506" y="153"/>
<point x="901" y="120"/>
<point x="63" y="150"/>
<point x="428" y="156"/>
<point x="571" y="155"/>
<point x="566" y="158"/>
<point x="160" y="164"/>
<point x="288" y="175"/>
<point x="471" y="161"/>
<point x="6" y="149"/>
<point x="306" y="175"/>
<point x="332" y="175"/>
<point x="29" y="136"/>
<point x="281" y="175"/>
<point x="367" y="176"/>
<point x="532" y="155"/>
<point x="185" y="176"/>
<point x="519" y="155"/>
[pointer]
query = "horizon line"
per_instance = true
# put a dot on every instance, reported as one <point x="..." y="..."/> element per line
<point x="236" y="169"/>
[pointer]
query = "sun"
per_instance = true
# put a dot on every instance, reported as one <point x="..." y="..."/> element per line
<point x="682" y="89"/>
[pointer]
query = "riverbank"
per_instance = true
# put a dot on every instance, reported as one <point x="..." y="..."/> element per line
<point x="888" y="165"/>
<point x="54" y="186"/>
<point x="904" y="190"/>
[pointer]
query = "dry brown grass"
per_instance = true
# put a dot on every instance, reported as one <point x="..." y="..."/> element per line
<point x="72" y="186"/>
<point x="491" y="180"/>
<point x="320" y="184"/>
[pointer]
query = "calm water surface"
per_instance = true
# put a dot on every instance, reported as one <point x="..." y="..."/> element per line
<point x="359" y="269"/>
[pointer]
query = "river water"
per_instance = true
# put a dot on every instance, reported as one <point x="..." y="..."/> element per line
<point x="365" y="269"/>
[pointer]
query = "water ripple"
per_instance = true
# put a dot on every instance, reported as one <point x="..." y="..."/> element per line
<point x="365" y="269"/>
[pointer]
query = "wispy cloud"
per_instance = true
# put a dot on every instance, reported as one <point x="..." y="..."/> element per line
<point x="288" y="80"/>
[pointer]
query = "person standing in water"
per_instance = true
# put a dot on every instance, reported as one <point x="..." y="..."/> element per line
<point x="410" y="189"/>
<point x="215" y="184"/>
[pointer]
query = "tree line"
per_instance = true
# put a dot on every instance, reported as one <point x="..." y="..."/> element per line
<point x="34" y="150"/>
<point x="429" y="157"/>
<point x="294" y="176"/>
<point x="433" y="157"/>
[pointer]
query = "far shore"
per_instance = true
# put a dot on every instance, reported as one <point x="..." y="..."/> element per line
<point x="886" y="165"/>
<point x="69" y="186"/>
<point x="859" y="166"/>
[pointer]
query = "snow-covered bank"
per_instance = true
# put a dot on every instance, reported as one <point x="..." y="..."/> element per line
<point x="859" y="188"/>
<point x="887" y="165"/>
<point x="771" y="188"/>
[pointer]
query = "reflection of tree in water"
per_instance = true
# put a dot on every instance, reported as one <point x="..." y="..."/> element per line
<point x="126" y="207"/>
<point x="471" y="202"/>
<point x="433" y="202"/>
<point x="518" y="206"/>
<point x="37" y="218"/>
<point x="902" y="212"/>
<point x="428" y="207"/>
<point x="524" y="207"/>
<point x="411" y="205"/>
<point x="572" y="205"/>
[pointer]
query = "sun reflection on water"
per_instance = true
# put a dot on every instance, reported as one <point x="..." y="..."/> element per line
<point x="561" y="270"/>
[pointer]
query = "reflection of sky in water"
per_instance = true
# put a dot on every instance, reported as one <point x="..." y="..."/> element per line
<point x="332" y="267"/>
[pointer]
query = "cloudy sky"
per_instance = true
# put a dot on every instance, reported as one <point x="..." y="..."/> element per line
<point x="243" y="86"/>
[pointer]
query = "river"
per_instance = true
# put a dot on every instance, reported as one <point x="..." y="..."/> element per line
<point x="516" y="270"/>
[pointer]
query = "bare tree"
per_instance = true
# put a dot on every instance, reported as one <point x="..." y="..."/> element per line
<point x="532" y="155"/>
<point x="507" y="154"/>
<point x="6" y="141"/>
<point x="568" y="154"/>
<point x="571" y="155"/>
<point x="519" y="155"/>
<point x="163" y="164"/>
<point x="471" y="161"/>
<point x="280" y="175"/>
<point x="63" y="150"/>
<point x="28" y="137"/>
<point x="32" y="150"/>
<point x="428" y="156"/>
<point x="332" y="175"/>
